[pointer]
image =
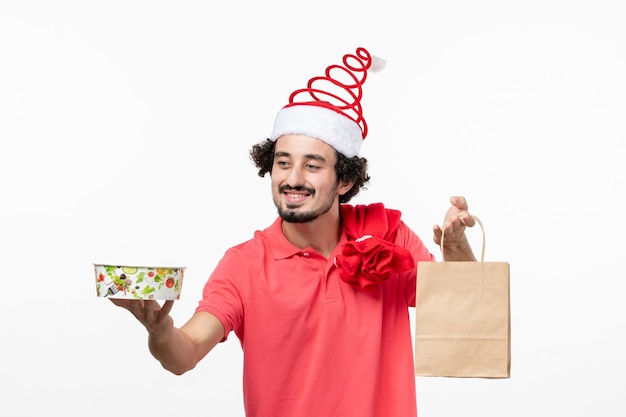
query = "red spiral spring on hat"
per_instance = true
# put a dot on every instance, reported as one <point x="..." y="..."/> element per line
<point x="341" y="90"/>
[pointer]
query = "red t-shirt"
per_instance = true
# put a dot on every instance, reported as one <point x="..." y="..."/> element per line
<point x="313" y="344"/>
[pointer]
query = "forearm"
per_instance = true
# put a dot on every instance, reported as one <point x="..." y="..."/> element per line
<point x="180" y="349"/>
<point x="174" y="349"/>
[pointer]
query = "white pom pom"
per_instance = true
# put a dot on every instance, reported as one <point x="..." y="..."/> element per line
<point x="378" y="64"/>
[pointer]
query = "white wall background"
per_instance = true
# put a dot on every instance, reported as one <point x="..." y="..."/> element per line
<point x="124" y="135"/>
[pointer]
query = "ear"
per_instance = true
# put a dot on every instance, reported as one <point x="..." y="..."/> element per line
<point x="344" y="187"/>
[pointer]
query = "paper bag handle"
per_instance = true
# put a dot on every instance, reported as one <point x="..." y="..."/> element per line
<point x="482" y="228"/>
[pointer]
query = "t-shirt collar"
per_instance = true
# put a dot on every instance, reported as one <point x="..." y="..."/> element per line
<point x="280" y="246"/>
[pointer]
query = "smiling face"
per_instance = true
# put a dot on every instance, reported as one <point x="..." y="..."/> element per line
<point x="304" y="182"/>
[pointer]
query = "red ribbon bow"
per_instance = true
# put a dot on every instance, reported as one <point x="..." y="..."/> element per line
<point x="370" y="256"/>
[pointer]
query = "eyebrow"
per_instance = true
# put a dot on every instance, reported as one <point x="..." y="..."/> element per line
<point x="314" y="156"/>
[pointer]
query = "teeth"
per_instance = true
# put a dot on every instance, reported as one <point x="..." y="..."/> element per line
<point x="294" y="195"/>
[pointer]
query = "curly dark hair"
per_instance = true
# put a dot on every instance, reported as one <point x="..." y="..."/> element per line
<point x="348" y="169"/>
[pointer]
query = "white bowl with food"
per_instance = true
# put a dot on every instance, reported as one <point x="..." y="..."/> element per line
<point x="139" y="282"/>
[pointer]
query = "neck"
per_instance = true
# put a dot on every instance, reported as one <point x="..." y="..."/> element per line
<point x="321" y="234"/>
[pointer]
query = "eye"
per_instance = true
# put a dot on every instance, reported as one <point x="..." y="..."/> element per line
<point x="281" y="163"/>
<point x="312" y="167"/>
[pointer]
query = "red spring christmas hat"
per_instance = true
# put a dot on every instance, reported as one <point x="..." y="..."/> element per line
<point x="329" y="108"/>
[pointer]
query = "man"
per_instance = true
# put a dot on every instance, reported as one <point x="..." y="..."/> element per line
<point x="319" y="299"/>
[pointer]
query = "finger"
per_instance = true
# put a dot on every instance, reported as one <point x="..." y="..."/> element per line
<point x="116" y="302"/>
<point x="166" y="308"/>
<point x="437" y="234"/>
<point x="459" y="202"/>
<point x="467" y="219"/>
<point x="152" y="307"/>
<point x="459" y="227"/>
<point x="454" y="227"/>
<point x="136" y="307"/>
<point x="124" y="303"/>
<point x="453" y="223"/>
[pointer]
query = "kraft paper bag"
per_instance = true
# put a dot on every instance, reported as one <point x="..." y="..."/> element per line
<point x="462" y="319"/>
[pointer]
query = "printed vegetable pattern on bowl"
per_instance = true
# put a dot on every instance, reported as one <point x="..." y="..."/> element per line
<point x="139" y="282"/>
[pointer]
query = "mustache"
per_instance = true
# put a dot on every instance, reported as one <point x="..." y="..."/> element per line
<point x="286" y="188"/>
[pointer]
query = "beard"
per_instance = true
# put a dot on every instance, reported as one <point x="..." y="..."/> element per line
<point x="291" y="214"/>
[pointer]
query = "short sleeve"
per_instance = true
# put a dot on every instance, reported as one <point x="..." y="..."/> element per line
<point x="222" y="293"/>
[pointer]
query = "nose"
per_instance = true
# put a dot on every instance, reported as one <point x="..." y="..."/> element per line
<point x="295" y="177"/>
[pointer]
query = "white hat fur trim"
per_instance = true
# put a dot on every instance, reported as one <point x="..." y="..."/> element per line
<point x="327" y="125"/>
